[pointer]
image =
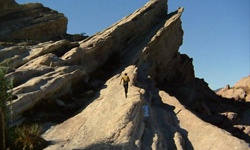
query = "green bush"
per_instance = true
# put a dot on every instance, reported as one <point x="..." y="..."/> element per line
<point x="5" y="91"/>
<point x="2" y="130"/>
<point x="5" y="95"/>
<point x="25" y="137"/>
<point x="28" y="137"/>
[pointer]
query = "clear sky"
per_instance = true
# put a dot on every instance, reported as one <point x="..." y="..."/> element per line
<point x="216" y="32"/>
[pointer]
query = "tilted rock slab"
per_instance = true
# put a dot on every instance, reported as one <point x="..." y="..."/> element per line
<point x="92" y="53"/>
<point x="52" y="85"/>
<point x="126" y="37"/>
<point x="30" y="21"/>
<point x="112" y="121"/>
<point x="147" y="43"/>
<point x="198" y="134"/>
<point x="16" y="56"/>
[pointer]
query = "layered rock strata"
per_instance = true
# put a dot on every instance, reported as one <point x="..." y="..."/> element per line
<point x="30" y="22"/>
<point x="166" y="105"/>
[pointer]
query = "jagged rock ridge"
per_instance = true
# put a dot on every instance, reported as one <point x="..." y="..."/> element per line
<point x="85" y="76"/>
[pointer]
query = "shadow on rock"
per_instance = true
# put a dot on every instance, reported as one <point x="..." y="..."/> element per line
<point x="103" y="146"/>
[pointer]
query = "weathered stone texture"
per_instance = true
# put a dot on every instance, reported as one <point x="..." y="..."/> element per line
<point x="167" y="107"/>
<point x="30" y="21"/>
<point x="240" y="91"/>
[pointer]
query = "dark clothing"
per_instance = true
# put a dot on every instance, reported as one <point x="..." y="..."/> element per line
<point x="125" y="85"/>
<point x="125" y="80"/>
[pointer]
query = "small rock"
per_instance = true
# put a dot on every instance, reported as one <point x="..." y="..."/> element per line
<point x="59" y="102"/>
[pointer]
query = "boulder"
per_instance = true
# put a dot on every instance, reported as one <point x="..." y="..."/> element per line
<point x="247" y="130"/>
<point x="233" y="117"/>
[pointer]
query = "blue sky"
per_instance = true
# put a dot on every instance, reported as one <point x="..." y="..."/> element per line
<point x="216" y="32"/>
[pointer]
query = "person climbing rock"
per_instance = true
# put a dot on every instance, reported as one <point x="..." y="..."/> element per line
<point x="125" y="79"/>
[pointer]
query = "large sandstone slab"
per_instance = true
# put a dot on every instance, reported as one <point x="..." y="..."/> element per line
<point x="111" y="121"/>
<point x="50" y="85"/>
<point x="145" y="45"/>
<point x="37" y="62"/>
<point x="200" y="135"/>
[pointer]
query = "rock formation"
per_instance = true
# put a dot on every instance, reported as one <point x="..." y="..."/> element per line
<point x="30" y="22"/>
<point x="240" y="91"/>
<point x="7" y="4"/>
<point x="75" y="85"/>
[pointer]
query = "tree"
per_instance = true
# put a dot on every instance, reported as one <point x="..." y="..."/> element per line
<point x="5" y="96"/>
<point x="2" y="130"/>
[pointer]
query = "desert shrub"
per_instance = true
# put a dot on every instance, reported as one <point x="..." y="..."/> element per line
<point x="28" y="137"/>
<point x="24" y="137"/>
<point x="5" y="91"/>
<point x="5" y="95"/>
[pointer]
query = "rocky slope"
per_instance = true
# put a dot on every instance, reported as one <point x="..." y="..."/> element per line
<point x="75" y="85"/>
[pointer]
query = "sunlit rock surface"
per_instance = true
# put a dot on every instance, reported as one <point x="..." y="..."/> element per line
<point x="75" y="86"/>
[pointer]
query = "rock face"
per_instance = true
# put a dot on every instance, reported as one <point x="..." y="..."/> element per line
<point x="240" y="91"/>
<point x="76" y="86"/>
<point x="4" y="5"/>
<point x="30" y="22"/>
